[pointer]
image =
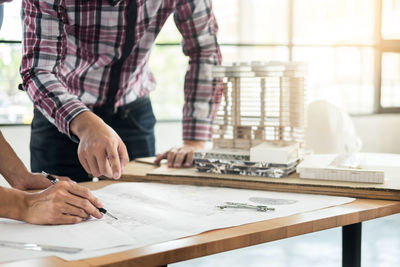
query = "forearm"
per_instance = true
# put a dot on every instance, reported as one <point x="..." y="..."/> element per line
<point x="202" y="97"/>
<point x="58" y="105"/>
<point x="44" y="49"/>
<point x="11" y="167"/>
<point x="202" y="94"/>
<point x="12" y="203"/>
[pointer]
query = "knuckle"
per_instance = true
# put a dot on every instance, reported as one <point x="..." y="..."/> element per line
<point x="116" y="141"/>
<point x="81" y="154"/>
<point x="86" y="149"/>
<point x="122" y="144"/>
<point x="112" y="157"/>
<point x="85" y="204"/>
<point x="82" y="213"/>
<point x="63" y="184"/>
<point x="59" y="193"/>
<point x="98" y="145"/>
<point x="86" y="192"/>
<point x="81" y="151"/>
<point x="110" y="141"/>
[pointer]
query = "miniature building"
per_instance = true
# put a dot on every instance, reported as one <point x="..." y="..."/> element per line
<point x="261" y="102"/>
<point x="260" y="123"/>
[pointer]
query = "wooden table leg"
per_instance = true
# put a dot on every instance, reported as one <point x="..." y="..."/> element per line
<point x="351" y="245"/>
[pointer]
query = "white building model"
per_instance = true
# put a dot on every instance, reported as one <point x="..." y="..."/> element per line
<point x="261" y="117"/>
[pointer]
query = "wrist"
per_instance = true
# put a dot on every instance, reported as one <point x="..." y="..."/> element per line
<point x="19" y="178"/>
<point x="26" y="203"/>
<point x="83" y="122"/>
<point x="199" y="144"/>
<point x="35" y="181"/>
<point x="13" y="204"/>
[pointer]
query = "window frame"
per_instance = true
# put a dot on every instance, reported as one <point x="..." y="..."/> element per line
<point x="380" y="46"/>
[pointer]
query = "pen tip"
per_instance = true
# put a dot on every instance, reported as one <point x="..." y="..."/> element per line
<point x="115" y="218"/>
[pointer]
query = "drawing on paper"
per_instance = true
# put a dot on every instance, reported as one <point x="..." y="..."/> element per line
<point x="272" y="201"/>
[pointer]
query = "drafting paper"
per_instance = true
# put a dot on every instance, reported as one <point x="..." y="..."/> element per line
<point x="151" y="213"/>
<point x="89" y="235"/>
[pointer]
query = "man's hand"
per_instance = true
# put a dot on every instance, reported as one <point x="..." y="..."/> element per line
<point x="181" y="156"/>
<point x="101" y="151"/>
<point x="62" y="203"/>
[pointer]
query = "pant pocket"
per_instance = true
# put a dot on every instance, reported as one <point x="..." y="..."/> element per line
<point x="142" y="118"/>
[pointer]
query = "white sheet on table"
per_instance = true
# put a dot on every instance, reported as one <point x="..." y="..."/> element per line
<point x="151" y="213"/>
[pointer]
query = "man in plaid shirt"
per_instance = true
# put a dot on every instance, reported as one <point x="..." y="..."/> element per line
<point x="85" y="67"/>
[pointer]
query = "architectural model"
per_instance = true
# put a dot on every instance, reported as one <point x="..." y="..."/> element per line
<point x="260" y="123"/>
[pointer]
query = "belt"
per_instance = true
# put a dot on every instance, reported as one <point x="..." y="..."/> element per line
<point x="103" y="111"/>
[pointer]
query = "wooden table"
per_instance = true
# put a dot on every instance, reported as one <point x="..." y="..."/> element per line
<point x="349" y="216"/>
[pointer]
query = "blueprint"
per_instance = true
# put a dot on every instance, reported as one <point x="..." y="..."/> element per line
<point x="150" y="213"/>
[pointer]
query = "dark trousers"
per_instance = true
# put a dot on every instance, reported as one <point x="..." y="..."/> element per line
<point x="56" y="153"/>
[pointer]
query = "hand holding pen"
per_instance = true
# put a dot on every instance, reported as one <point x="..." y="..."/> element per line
<point x="55" y="180"/>
<point x="63" y="203"/>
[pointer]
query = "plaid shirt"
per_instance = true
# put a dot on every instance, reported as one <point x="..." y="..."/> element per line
<point x="70" y="46"/>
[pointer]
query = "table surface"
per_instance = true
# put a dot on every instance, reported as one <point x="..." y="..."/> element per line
<point x="221" y="240"/>
<point x="389" y="190"/>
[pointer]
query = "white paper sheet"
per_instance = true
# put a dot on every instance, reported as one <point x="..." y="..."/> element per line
<point x="89" y="236"/>
<point x="151" y="213"/>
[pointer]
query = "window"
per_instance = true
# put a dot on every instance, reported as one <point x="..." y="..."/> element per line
<point x="336" y="39"/>
<point x="389" y="56"/>
<point x="390" y="80"/>
<point x="352" y="49"/>
<point x="15" y="107"/>
<point x="347" y="44"/>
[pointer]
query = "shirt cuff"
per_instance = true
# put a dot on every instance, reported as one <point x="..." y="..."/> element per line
<point x="66" y="113"/>
<point x="197" y="129"/>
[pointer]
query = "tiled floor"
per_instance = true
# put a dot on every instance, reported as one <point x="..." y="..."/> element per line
<point x="380" y="248"/>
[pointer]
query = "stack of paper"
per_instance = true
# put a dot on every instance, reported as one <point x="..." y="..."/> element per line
<point x="324" y="167"/>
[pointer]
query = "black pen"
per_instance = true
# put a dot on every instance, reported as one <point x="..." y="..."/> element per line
<point x="55" y="180"/>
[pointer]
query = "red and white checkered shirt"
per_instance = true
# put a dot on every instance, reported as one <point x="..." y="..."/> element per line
<point x="69" y="47"/>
